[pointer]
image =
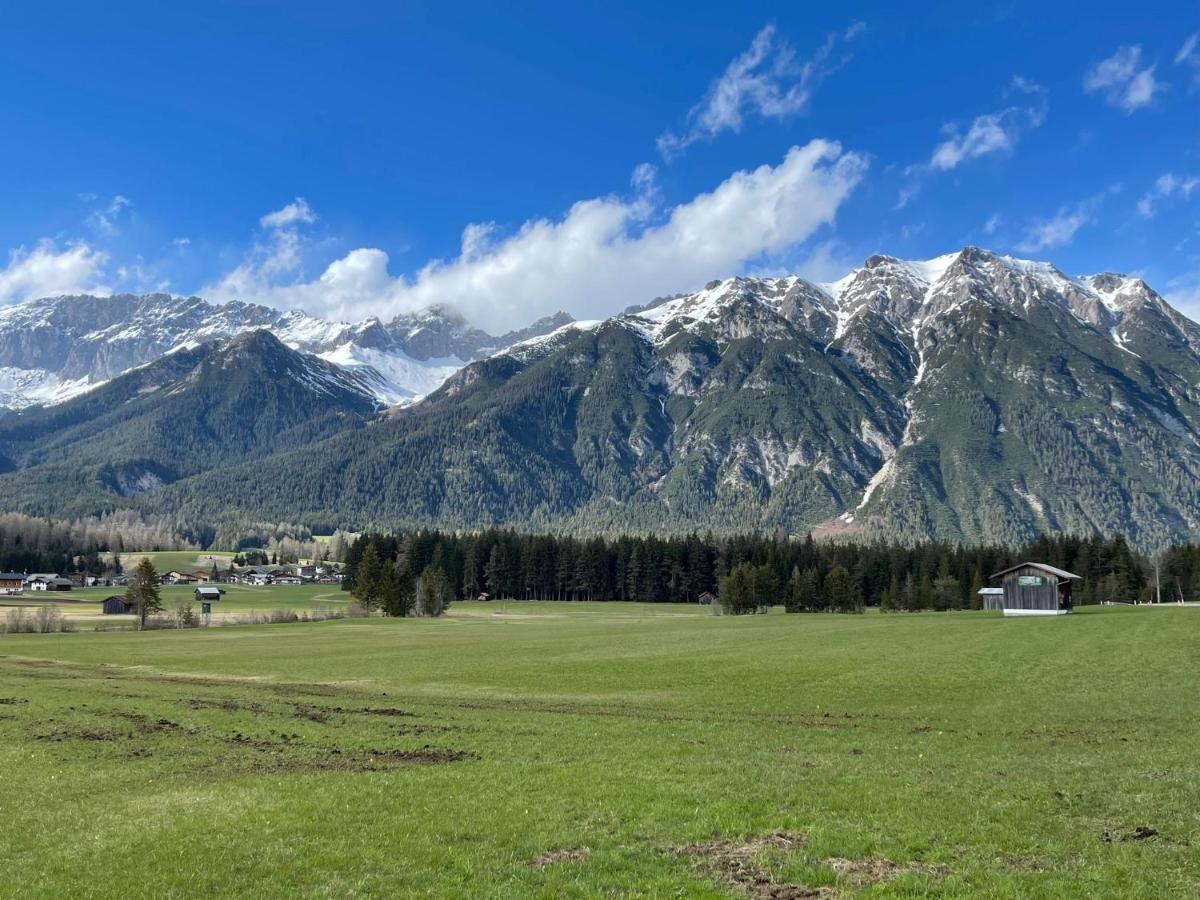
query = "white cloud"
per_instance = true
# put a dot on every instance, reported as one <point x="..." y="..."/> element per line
<point x="992" y="225"/>
<point x="908" y="193"/>
<point x="298" y="212"/>
<point x="1188" y="55"/>
<point x="1188" y="50"/>
<point x="1123" y="81"/>
<point x="277" y="256"/>
<point x="1059" y="230"/>
<point x="1165" y="187"/>
<point x="1056" y="231"/>
<point x="996" y="132"/>
<point x="603" y="255"/>
<point x="47" y="271"/>
<point x="988" y="134"/>
<point x="1183" y="293"/>
<point x="766" y="80"/>
<point x="104" y="220"/>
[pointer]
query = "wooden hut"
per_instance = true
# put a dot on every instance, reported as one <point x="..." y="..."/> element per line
<point x="1036" y="589"/>
<point x="993" y="598"/>
<point x="116" y="605"/>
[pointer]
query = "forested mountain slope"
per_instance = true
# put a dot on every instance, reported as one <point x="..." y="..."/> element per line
<point x="971" y="397"/>
<point x="196" y="410"/>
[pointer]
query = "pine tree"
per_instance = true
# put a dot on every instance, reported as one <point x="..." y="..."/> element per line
<point x="433" y="592"/>
<point x="367" y="577"/>
<point x="840" y="592"/>
<point x="795" y="599"/>
<point x="493" y="571"/>
<point x="142" y="593"/>
<point x="891" y="597"/>
<point x="976" y="599"/>
<point x="736" y="591"/>
<point x="396" y="591"/>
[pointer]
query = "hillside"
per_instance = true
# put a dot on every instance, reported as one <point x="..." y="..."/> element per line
<point x="971" y="397"/>
<point x="192" y="411"/>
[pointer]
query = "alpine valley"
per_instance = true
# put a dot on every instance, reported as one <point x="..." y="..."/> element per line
<point x="972" y="397"/>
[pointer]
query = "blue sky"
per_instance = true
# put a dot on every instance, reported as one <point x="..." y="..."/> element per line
<point x="363" y="158"/>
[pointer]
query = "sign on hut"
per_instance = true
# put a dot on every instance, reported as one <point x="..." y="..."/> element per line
<point x="1036" y="589"/>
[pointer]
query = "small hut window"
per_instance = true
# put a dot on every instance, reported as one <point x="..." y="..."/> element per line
<point x="1030" y="580"/>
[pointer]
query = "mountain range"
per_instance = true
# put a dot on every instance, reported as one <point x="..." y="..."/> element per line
<point x="971" y="397"/>
<point x="57" y="348"/>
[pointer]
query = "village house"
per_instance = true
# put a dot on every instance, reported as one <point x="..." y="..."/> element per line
<point x="46" y="582"/>
<point x="177" y="578"/>
<point x="259" y="577"/>
<point x="11" y="582"/>
<point x="1035" y="589"/>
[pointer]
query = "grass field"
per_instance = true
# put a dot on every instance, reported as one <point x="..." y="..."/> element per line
<point x="179" y="560"/>
<point x="600" y="750"/>
<point x="82" y="606"/>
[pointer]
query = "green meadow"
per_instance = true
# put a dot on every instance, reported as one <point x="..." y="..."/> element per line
<point x="583" y="750"/>
<point x="179" y="560"/>
<point x="83" y="606"/>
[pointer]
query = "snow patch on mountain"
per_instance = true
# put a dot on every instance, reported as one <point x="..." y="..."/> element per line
<point x="393" y="378"/>
<point x="23" y="387"/>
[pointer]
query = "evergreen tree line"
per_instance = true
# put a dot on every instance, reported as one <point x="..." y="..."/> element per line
<point x="766" y="570"/>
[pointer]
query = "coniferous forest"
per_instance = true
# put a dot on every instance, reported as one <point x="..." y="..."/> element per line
<point x="748" y="572"/>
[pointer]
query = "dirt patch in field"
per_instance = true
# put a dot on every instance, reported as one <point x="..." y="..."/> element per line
<point x="554" y="857"/>
<point x="226" y="704"/>
<point x="867" y="872"/>
<point x="380" y="711"/>
<point x="80" y="734"/>
<point x="12" y="701"/>
<point x="146" y="725"/>
<point x="50" y="668"/>
<point x="579" y="709"/>
<point x="1141" y="833"/>
<point x="183" y="717"/>
<point x="733" y="862"/>
<point x="335" y="760"/>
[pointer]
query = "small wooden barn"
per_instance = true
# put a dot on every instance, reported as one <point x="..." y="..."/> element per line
<point x="1035" y="589"/>
<point x="116" y="605"/>
<point x="208" y="594"/>
<point x="993" y="598"/>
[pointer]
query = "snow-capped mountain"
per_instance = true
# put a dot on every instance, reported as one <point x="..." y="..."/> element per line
<point x="972" y="396"/>
<point x="55" y="348"/>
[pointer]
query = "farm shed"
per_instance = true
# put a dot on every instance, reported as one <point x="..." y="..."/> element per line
<point x="48" y="583"/>
<point x="116" y="605"/>
<point x="1035" y="589"/>
<point x="208" y="593"/>
<point x="993" y="598"/>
